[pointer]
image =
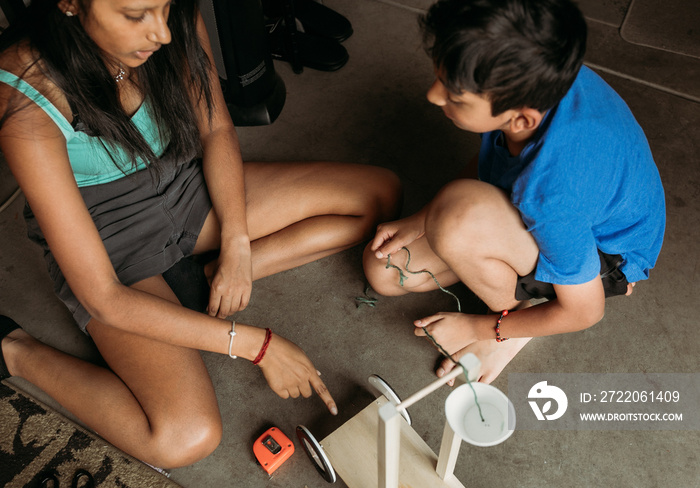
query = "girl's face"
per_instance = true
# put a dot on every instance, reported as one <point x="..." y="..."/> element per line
<point x="128" y="31"/>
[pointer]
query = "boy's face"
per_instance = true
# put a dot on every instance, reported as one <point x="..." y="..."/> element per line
<point x="467" y="110"/>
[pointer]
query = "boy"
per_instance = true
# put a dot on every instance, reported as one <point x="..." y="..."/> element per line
<point x="569" y="205"/>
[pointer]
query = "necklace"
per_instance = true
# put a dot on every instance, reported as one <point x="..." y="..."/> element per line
<point x="120" y="75"/>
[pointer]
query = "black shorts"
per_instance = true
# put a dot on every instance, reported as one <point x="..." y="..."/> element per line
<point x="614" y="280"/>
<point x="145" y="228"/>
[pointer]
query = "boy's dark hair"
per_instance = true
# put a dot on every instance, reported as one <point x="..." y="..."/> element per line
<point x="71" y="59"/>
<point x="518" y="53"/>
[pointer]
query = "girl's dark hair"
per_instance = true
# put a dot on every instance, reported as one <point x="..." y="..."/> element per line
<point x="518" y="53"/>
<point x="170" y="79"/>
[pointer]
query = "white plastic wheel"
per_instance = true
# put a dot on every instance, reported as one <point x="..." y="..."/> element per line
<point x="381" y="387"/>
<point x="316" y="453"/>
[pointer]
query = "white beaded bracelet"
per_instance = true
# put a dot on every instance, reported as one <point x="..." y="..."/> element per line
<point x="230" y="341"/>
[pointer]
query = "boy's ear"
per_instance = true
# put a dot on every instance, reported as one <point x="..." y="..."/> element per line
<point x="525" y="119"/>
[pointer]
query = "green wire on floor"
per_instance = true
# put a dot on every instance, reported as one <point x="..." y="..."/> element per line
<point x="366" y="299"/>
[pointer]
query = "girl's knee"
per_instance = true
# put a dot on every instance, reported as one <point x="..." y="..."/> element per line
<point x="383" y="194"/>
<point x="184" y="444"/>
<point x="391" y="194"/>
<point x="377" y="197"/>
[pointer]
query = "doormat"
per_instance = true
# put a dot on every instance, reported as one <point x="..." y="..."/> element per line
<point x="671" y="25"/>
<point x="36" y="440"/>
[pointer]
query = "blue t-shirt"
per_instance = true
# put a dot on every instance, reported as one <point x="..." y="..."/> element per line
<point x="586" y="181"/>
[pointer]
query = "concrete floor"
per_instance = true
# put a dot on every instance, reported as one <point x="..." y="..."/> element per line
<point x="374" y="111"/>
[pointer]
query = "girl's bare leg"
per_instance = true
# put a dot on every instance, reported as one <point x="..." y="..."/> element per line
<point x="301" y="212"/>
<point x="156" y="402"/>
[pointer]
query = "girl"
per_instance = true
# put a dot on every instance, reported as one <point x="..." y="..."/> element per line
<point x="105" y="106"/>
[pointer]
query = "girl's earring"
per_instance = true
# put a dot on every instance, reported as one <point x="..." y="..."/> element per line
<point x="69" y="13"/>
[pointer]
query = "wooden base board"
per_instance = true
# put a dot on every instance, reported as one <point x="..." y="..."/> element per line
<point x="352" y="450"/>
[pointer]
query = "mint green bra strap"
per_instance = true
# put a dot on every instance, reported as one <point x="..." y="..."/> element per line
<point x="25" y="88"/>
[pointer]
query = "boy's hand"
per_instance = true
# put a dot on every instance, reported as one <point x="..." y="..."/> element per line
<point x="452" y="330"/>
<point x="456" y="333"/>
<point x="392" y="236"/>
<point x="290" y="373"/>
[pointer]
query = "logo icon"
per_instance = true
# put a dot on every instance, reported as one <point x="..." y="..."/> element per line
<point x="542" y="390"/>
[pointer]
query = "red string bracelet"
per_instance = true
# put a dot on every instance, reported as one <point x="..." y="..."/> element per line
<point x="498" y="327"/>
<point x="263" y="349"/>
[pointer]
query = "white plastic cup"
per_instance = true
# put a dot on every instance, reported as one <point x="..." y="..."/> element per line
<point x="464" y="418"/>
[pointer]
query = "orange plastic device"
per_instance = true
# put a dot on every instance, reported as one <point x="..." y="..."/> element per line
<point x="272" y="449"/>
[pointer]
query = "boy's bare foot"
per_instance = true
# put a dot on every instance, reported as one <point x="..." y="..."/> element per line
<point x="494" y="356"/>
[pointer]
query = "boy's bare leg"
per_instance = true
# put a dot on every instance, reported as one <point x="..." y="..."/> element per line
<point x="474" y="235"/>
<point x="475" y="229"/>
<point x="301" y="212"/>
<point x="386" y="280"/>
<point x="156" y="403"/>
